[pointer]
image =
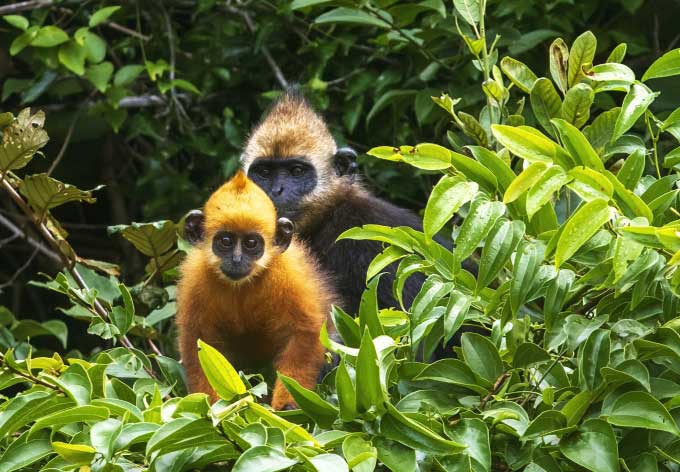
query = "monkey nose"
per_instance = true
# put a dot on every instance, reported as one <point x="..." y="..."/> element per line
<point x="278" y="190"/>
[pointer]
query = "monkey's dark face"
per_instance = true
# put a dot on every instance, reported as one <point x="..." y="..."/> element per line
<point x="286" y="181"/>
<point x="238" y="252"/>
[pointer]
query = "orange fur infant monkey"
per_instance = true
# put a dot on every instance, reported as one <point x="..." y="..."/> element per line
<point x="251" y="291"/>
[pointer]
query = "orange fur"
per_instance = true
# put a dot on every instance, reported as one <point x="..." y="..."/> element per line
<point x="272" y="317"/>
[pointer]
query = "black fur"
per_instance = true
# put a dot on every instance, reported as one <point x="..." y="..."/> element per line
<point x="347" y="260"/>
<point x="194" y="232"/>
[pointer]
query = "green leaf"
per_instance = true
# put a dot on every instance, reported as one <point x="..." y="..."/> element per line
<point x="262" y="459"/>
<point x="298" y="4"/>
<point x="81" y="454"/>
<point x="346" y="391"/>
<point x="18" y="21"/>
<point x="221" y="375"/>
<point x="593" y="446"/>
<point x="525" y="142"/>
<point x="470" y="10"/>
<point x="151" y="239"/>
<point x="577" y="145"/>
<point x="552" y="180"/>
<point x="22" y="139"/>
<point x="590" y="184"/>
<point x="525" y="270"/>
<point x="384" y="259"/>
<point x="102" y="15"/>
<point x="361" y="456"/>
<point x="318" y="409"/>
<point x="23" y="40"/>
<point x="352" y="16"/>
<point x="635" y="103"/>
<point x="618" y="54"/>
<point x="482" y="356"/>
<point x="127" y="74"/>
<point x="95" y="46"/>
<point x="641" y="410"/>
<point x="519" y="73"/>
<point x="630" y="204"/>
<point x="77" y="414"/>
<point x="328" y="462"/>
<point x="473" y="128"/>
<point x="559" y="64"/>
<point x="615" y="77"/>
<point x="524" y="181"/>
<point x="183" y="433"/>
<point x="398" y="427"/>
<point x="479" y="221"/>
<point x="665" y="66"/>
<point x="474" y="433"/>
<point x="593" y="356"/>
<point x="428" y="156"/>
<point x="72" y="55"/>
<point x="545" y="103"/>
<point x="49" y="36"/>
<point x="581" y="55"/>
<point x="601" y="130"/>
<point x="632" y="169"/>
<point x="446" y="198"/>
<point x="500" y="244"/>
<point x="474" y="171"/>
<point x="502" y="171"/>
<point x="22" y="452"/>
<point x="44" y="193"/>
<point x="395" y="456"/>
<point x="576" y="106"/>
<point x="100" y="75"/>
<point x="547" y="422"/>
<point x="368" y="309"/>
<point x="369" y="389"/>
<point x="580" y="227"/>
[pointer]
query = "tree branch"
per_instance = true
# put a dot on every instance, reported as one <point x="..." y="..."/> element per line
<point x="23" y="6"/>
<point x="18" y="233"/>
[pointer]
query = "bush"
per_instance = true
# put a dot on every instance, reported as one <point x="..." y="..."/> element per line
<point x="567" y="200"/>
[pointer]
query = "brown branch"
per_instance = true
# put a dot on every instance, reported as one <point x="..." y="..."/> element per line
<point x="19" y="271"/>
<point x="67" y="140"/>
<point x="23" y="6"/>
<point x="496" y="386"/>
<point x="18" y="233"/>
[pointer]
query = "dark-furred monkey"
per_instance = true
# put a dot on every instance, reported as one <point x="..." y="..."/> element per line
<point x="250" y="290"/>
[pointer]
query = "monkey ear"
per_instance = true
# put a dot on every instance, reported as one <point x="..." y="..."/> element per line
<point x="284" y="233"/>
<point x="345" y="161"/>
<point x="194" y="229"/>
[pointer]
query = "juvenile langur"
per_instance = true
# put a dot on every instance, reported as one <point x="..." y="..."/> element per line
<point x="251" y="291"/>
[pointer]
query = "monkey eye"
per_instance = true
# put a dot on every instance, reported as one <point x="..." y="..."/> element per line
<point x="297" y="171"/>
<point x="263" y="171"/>
<point x="226" y="241"/>
<point x="250" y="242"/>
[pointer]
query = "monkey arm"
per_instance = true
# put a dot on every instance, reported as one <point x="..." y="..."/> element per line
<point x="302" y="358"/>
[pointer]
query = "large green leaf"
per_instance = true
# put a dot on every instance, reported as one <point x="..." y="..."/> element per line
<point x="635" y="103"/>
<point x="519" y="73"/>
<point x="526" y="143"/>
<point x="580" y="227"/>
<point x="524" y="181"/>
<point x="500" y="244"/>
<point x="44" y="193"/>
<point x="318" y="409"/>
<point x="221" y="375"/>
<point x="581" y="55"/>
<point x="577" y="145"/>
<point x="470" y="10"/>
<point x="576" y="106"/>
<point x="593" y="446"/>
<point x="352" y="16"/>
<point x="370" y="395"/>
<point x="474" y="433"/>
<point x="641" y="410"/>
<point x="665" y="66"/>
<point x="151" y="239"/>
<point x="592" y="357"/>
<point x="446" y="198"/>
<point x="482" y="356"/>
<point x="22" y="139"/>
<point x="545" y="103"/>
<point x="263" y="459"/>
<point x="552" y="180"/>
<point x="479" y="221"/>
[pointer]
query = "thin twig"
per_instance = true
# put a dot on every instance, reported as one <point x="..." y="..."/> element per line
<point x="19" y="271"/>
<point x="265" y="50"/>
<point x="23" y="6"/>
<point x="496" y="386"/>
<point x="67" y="139"/>
<point x="28" y="376"/>
<point x="179" y="109"/>
<point x="18" y="233"/>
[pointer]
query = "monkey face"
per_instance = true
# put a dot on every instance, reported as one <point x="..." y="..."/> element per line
<point x="286" y="181"/>
<point x="238" y="253"/>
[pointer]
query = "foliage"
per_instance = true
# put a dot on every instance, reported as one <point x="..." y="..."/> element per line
<point x="567" y="191"/>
